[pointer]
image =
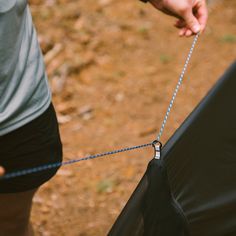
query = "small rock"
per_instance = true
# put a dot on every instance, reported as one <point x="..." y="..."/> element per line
<point x="104" y="3"/>
<point x="38" y="199"/>
<point x="62" y="119"/>
<point x="64" y="172"/>
<point x="45" y="209"/>
<point x="119" y="97"/>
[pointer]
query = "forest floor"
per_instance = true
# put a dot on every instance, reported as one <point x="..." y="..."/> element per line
<point x="112" y="66"/>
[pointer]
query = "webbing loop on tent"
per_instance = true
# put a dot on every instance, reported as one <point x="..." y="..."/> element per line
<point x="156" y="144"/>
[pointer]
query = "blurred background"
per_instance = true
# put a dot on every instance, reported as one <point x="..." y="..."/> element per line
<point x="112" y="67"/>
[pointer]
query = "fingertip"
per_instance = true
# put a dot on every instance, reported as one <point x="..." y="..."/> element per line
<point x="181" y="33"/>
<point x="202" y="29"/>
<point x="2" y="171"/>
<point x="188" y="33"/>
<point x="196" y="28"/>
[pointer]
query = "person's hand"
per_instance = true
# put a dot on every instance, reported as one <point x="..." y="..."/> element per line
<point x="2" y="171"/>
<point x="192" y="14"/>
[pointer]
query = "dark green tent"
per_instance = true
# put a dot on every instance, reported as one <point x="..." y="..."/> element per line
<point x="192" y="189"/>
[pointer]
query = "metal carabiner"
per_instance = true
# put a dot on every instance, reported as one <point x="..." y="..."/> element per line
<point x="157" y="145"/>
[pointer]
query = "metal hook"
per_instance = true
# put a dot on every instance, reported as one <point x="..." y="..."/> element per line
<point x="157" y="145"/>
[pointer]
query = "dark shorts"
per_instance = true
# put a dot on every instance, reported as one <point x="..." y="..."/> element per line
<point x="34" y="144"/>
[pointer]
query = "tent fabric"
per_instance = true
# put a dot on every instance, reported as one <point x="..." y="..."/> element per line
<point x="192" y="189"/>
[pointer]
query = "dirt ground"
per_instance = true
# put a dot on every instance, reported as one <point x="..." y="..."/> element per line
<point x="112" y="66"/>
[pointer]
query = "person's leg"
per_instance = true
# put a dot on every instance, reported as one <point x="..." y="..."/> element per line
<point x="15" y="211"/>
<point x="34" y="144"/>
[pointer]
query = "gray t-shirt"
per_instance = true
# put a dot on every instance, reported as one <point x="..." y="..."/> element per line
<point x="24" y="91"/>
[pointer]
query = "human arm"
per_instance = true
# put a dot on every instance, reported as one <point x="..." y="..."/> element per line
<point x="192" y="14"/>
<point x="2" y="171"/>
